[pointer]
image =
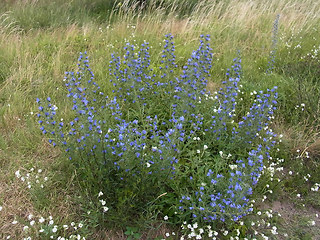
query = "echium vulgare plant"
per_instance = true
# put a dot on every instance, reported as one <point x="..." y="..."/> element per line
<point x="162" y="140"/>
<point x="272" y="55"/>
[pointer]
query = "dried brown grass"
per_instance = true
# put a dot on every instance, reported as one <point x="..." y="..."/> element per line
<point x="16" y="202"/>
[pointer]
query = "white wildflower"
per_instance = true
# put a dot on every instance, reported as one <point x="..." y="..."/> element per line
<point x="312" y="223"/>
<point x="17" y="173"/>
<point x="105" y="209"/>
<point x="55" y="229"/>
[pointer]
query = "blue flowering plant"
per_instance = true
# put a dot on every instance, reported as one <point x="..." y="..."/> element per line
<point x="272" y="56"/>
<point x="161" y="141"/>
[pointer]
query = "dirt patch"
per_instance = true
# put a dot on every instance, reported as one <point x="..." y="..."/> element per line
<point x="297" y="221"/>
<point x="213" y="86"/>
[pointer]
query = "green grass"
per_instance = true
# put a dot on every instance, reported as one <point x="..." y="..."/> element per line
<point x="40" y="40"/>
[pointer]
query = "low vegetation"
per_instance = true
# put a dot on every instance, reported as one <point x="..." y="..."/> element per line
<point x="180" y="119"/>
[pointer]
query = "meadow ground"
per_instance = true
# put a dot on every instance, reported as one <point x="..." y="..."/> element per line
<point x="41" y="40"/>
